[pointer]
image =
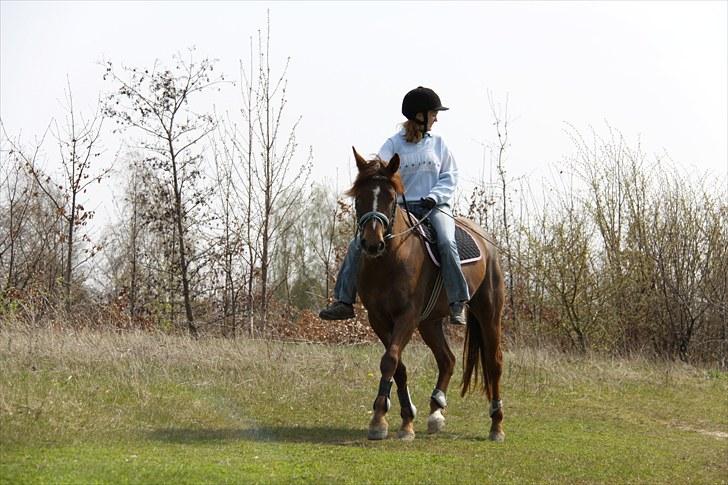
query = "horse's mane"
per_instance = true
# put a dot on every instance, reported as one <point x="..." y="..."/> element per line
<point x="374" y="168"/>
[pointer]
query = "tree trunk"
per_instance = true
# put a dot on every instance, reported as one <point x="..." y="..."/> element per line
<point x="267" y="198"/>
<point x="11" y="262"/>
<point x="181" y="244"/>
<point x="133" y="278"/>
<point x="507" y="232"/>
<point x="69" y="263"/>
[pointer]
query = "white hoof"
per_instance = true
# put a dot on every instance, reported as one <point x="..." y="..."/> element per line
<point x="497" y="436"/>
<point x="435" y="422"/>
<point x="406" y="435"/>
<point x="378" y="433"/>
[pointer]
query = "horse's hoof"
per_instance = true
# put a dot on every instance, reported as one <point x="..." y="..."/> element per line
<point x="497" y="436"/>
<point x="406" y="435"/>
<point x="435" y="422"/>
<point x="378" y="433"/>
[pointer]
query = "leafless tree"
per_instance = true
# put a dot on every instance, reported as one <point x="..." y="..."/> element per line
<point x="79" y="153"/>
<point x="277" y="175"/>
<point x="16" y="187"/>
<point x="327" y="221"/>
<point x="228" y="240"/>
<point x="157" y="103"/>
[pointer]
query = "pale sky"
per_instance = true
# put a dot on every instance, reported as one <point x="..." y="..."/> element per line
<point x="656" y="71"/>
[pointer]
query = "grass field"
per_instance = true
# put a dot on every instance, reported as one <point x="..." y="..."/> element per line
<point x="139" y="408"/>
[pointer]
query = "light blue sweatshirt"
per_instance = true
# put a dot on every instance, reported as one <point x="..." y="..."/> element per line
<point x="427" y="167"/>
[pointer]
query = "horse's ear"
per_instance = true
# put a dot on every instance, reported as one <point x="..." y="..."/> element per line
<point x="393" y="165"/>
<point x="360" y="162"/>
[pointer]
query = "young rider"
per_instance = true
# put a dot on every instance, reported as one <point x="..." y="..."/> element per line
<point x="430" y="175"/>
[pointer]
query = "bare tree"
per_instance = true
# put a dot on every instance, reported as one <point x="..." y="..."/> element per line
<point x="276" y="177"/>
<point x="157" y="103"/>
<point x="570" y="273"/>
<point x="500" y="121"/>
<point x="15" y="205"/>
<point x="230" y="228"/>
<point x="79" y="150"/>
<point x="326" y="224"/>
<point x="123" y="273"/>
<point x="685" y="245"/>
<point x="244" y="146"/>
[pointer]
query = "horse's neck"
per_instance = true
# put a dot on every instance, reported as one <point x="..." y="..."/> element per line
<point x="405" y="218"/>
<point x="400" y="220"/>
<point x="401" y="246"/>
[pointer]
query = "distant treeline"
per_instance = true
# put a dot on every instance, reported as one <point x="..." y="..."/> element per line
<point x="221" y="230"/>
<point x="631" y="257"/>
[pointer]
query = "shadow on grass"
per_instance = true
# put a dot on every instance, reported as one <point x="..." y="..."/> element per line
<point x="286" y="434"/>
<point x="291" y="434"/>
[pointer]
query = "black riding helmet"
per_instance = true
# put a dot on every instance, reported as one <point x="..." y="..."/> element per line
<point x="421" y="100"/>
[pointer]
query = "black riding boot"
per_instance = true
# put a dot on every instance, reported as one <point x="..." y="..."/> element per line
<point x="338" y="310"/>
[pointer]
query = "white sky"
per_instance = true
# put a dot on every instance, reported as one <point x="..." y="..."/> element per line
<point x="656" y="71"/>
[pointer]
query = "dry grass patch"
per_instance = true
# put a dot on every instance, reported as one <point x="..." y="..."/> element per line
<point x="81" y="405"/>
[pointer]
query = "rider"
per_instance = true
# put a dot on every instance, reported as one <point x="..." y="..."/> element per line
<point x="429" y="175"/>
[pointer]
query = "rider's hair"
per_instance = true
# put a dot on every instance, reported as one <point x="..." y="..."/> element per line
<point x="412" y="131"/>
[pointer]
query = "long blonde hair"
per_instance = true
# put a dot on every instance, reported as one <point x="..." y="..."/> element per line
<point x="412" y="131"/>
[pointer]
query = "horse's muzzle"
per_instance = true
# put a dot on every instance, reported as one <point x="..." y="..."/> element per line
<point x="373" y="250"/>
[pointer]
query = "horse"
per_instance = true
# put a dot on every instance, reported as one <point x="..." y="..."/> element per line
<point x="395" y="281"/>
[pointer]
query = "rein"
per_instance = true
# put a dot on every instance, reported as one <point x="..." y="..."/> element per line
<point x="411" y="228"/>
<point x="388" y="223"/>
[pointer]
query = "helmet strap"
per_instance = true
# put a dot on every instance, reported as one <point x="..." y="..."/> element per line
<point x="423" y="124"/>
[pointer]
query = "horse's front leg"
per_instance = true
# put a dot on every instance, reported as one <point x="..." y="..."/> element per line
<point x="401" y="334"/>
<point x="378" y="428"/>
<point x="409" y="411"/>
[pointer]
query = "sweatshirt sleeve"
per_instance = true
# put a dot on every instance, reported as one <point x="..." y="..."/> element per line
<point x="447" y="181"/>
<point x="387" y="151"/>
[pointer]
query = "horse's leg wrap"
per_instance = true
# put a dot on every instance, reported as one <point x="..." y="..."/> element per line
<point x="406" y="401"/>
<point x="439" y="397"/>
<point x="436" y="421"/>
<point x="385" y="389"/>
<point x="495" y="405"/>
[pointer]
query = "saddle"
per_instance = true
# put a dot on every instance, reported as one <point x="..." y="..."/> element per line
<point x="468" y="249"/>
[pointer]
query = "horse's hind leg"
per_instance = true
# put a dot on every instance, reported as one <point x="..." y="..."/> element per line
<point x="434" y="336"/>
<point x="487" y="308"/>
<point x="494" y="367"/>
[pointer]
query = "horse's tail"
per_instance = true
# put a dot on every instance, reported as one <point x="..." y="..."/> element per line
<point x="474" y="354"/>
<point x="481" y="352"/>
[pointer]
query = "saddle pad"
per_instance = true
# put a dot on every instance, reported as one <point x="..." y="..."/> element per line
<point x="468" y="250"/>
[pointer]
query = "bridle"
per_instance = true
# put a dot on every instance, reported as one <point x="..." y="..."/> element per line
<point x="388" y="222"/>
<point x="378" y="216"/>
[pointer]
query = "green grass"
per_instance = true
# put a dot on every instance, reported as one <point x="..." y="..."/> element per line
<point x="139" y="408"/>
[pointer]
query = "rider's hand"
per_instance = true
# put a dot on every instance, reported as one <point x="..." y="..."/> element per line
<point x="428" y="202"/>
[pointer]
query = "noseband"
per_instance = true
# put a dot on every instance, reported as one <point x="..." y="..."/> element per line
<point x="377" y="216"/>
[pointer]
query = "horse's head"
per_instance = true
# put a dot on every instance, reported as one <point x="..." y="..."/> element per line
<point x="375" y="197"/>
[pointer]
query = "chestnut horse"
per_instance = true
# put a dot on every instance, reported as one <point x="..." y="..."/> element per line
<point x="395" y="283"/>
